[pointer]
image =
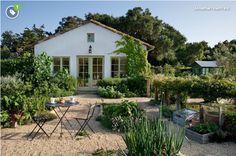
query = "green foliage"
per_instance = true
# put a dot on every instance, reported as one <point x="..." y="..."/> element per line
<point x="64" y="80"/>
<point x="42" y="70"/>
<point x="28" y="92"/>
<point x="167" y="111"/>
<point x="109" y="92"/>
<point x="5" y="118"/>
<point x="109" y="82"/>
<point x="18" y="44"/>
<point x="153" y="138"/>
<point x="68" y="23"/>
<point x="22" y="65"/>
<point x="206" y="128"/>
<point x="117" y="116"/>
<point x="137" y="63"/>
<point x="129" y="87"/>
<point x="209" y="89"/>
<point x="141" y="24"/>
<point x="168" y="70"/>
<point x="49" y="116"/>
<point x="102" y="152"/>
<point x="191" y="52"/>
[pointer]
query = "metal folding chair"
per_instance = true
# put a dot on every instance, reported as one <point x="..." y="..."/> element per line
<point x="84" y="122"/>
<point x="40" y="121"/>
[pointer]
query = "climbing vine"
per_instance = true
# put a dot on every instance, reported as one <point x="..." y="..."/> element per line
<point x="137" y="63"/>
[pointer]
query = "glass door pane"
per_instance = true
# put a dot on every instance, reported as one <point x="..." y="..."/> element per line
<point x="97" y="71"/>
<point x="83" y="67"/>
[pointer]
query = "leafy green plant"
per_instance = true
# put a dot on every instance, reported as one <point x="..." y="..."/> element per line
<point x="49" y="116"/>
<point x="150" y="138"/>
<point x="137" y="63"/>
<point x="109" y="92"/>
<point x="129" y="87"/>
<point x="205" y="128"/>
<point x="167" y="111"/>
<point x="117" y="116"/>
<point x="209" y="89"/>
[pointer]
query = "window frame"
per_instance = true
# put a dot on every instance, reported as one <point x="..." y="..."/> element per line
<point x="119" y="66"/>
<point x="90" y="41"/>
<point x="61" y="63"/>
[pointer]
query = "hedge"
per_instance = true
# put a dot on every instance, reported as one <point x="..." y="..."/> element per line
<point x="209" y="89"/>
<point x="128" y="87"/>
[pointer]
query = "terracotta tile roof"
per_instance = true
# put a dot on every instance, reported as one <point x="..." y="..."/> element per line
<point x="101" y="25"/>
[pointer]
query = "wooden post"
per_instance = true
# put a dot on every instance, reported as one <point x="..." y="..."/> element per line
<point x="220" y="116"/>
<point x="148" y="93"/>
<point x="201" y="114"/>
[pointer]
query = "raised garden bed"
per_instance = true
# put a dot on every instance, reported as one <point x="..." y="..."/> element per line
<point x="201" y="138"/>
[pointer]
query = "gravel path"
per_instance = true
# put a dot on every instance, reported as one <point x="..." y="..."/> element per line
<point x="14" y="142"/>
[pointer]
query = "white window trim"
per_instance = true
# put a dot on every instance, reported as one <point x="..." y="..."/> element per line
<point x="93" y="38"/>
<point x="119" y="64"/>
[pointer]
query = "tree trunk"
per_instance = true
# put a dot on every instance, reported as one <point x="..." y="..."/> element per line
<point x="167" y="98"/>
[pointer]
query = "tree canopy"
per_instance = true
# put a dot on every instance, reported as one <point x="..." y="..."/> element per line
<point x="171" y="47"/>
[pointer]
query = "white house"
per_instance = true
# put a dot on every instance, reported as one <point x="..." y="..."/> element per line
<point x="87" y="51"/>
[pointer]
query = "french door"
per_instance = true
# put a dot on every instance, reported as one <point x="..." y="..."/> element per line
<point x="90" y="70"/>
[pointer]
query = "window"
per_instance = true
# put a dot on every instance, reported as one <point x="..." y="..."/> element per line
<point x="118" y="67"/>
<point x="61" y="63"/>
<point x="90" y="37"/>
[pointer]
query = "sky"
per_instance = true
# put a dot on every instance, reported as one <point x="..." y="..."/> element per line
<point x="196" y="20"/>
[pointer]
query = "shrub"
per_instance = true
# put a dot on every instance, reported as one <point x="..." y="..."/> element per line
<point x="28" y="92"/>
<point x="167" y="111"/>
<point x="129" y="87"/>
<point x="109" y="82"/>
<point x="117" y="116"/>
<point x="13" y="99"/>
<point x="137" y="86"/>
<point x="209" y="89"/>
<point x="152" y="138"/>
<point x="205" y="128"/>
<point x="49" y="116"/>
<point x="109" y="92"/>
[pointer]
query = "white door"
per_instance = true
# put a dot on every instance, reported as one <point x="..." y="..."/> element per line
<point x="90" y="70"/>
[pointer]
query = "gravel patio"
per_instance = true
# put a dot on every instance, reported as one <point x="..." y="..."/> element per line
<point x="15" y="143"/>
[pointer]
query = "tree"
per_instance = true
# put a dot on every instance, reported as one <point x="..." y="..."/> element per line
<point x="68" y="23"/>
<point x="142" y="25"/>
<point x="9" y="41"/>
<point x="23" y="42"/>
<point x="191" y="52"/>
<point x="137" y="63"/>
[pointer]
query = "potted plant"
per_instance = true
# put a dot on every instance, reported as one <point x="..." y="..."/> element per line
<point x="202" y="133"/>
<point x="61" y="100"/>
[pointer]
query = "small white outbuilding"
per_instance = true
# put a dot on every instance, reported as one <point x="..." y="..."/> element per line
<point x="87" y="51"/>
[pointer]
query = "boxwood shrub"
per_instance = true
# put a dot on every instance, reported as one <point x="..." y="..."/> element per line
<point x="116" y="87"/>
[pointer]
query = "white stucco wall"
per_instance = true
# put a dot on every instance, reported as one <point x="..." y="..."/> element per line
<point x="74" y="43"/>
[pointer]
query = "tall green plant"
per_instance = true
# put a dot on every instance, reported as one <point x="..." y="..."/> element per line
<point x="152" y="138"/>
<point x="137" y="63"/>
